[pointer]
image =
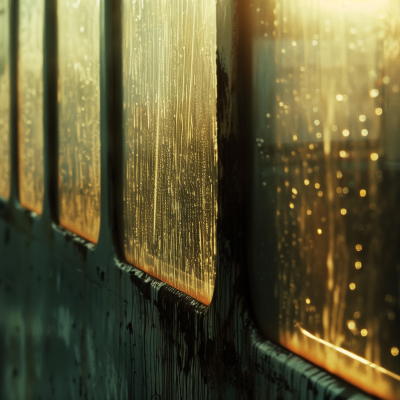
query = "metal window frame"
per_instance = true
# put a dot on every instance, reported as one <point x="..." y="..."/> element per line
<point x="130" y="335"/>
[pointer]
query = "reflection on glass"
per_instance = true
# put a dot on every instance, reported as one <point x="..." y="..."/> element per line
<point x="79" y="116"/>
<point x="169" y="53"/>
<point x="4" y="101"/>
<point x="327" y="172"/>
<point x="30" y="98"/>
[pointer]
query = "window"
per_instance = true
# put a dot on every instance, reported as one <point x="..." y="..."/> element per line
<point x="30" y="101"/>
<point x="170" y="160"/>
<point x="4" y="100"/>
<point x="325" y="196"/>
<point x="79" y="116"/>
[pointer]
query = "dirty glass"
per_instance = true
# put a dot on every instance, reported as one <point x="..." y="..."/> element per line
<point x="169" y="72"/>
<point x="30" y="102"/>
<point x="79" y="116"/>
<point x="4" y="100"/>
<point x="325" y="119"/>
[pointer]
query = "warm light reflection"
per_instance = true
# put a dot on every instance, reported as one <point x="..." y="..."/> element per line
<point x="374" y="156"/>
<point x="351" y="355"/>
<point x="30" y="104"/>
<point x="351" y="325"/>
<point x="326" y="71"/>
<point x="4" y="101"/>
<point x="355" y="6"/>
<point x="79" y="116"/>
<point x="170" y="155"/>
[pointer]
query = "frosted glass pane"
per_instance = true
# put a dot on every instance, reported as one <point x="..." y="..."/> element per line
<point x="169" y="61"/>
<point x="79" y="116"/>
<point x="326" y="123"/>
<point x="30" y="98"/>
<point x="4" y="101"/>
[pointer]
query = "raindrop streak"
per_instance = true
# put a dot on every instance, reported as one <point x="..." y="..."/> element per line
<point x="4" y="101"/>
<point x="30" y="93"/>
<point x="170" y="158"/>
<point x="337" y="92"/>
<point x="79" y="116"/>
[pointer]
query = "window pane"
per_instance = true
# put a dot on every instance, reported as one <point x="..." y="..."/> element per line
<point x="4" y="101"/>
<point x="30" y="86"/>
<point x="169" y="53"/>
<point x="326" y="225"/>
<point x="79" y="118"/>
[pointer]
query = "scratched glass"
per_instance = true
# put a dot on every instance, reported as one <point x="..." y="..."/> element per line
<point x="30" y="103"/>
<point x="170" y="161"/>
<point x="4" y="101"/>
<point x="79" y="116"/>
<point x="326" y="220"/>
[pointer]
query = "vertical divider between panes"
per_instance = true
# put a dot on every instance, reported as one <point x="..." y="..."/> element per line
<point x="13" y="103"/>
<point x="50" y="114"/>
<point x="110" y="120"/>
<point x="245" y="122"/>
<point x="261" y="280"/>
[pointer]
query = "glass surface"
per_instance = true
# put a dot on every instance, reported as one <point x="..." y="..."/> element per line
<point x="79" y="116"/>
<point x="170" y="159"/>
<point x="326" y="156"/>
<point x="4" y="100"/>
<point x="30" y="98"/>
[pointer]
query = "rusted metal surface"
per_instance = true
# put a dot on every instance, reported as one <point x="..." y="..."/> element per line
<point x="78" y="322"/>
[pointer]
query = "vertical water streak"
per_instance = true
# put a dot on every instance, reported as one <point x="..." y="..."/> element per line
<point x="79" y="116"/>
<point x="4" y="99"/>
<point x="30" y="102"/>
<point x="169" y="52"/>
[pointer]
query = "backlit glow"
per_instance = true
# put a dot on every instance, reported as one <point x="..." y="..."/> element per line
<point x="30" y="96"/>
<point x="79" y="116"/>
<point x="4" y="101"/>
<point x="170" y="142"/>
<point x="337" y="237"/>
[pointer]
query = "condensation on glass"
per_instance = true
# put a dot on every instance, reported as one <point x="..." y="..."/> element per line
<point x="326" y="220"/>
<point x="79" y="116"/>
<point x="4" y="100"/>
<point x="169" y="71"/>
<point x="30" y="102"/>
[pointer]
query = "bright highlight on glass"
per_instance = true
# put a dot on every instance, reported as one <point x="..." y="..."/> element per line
<point x="30" y="104"/>
<point x="79" y="116"/>
<point x="337" y="90"/>
<point x="4" y="100"/>
<point x="169" y="61"/>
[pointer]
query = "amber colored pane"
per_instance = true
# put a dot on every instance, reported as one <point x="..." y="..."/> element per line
<point x="326" y="186"/>
<point x="169" y="72"/>
<point x="4" y="100"/>
<point x="30" y="98"/>
<point x="79" y="116"/>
